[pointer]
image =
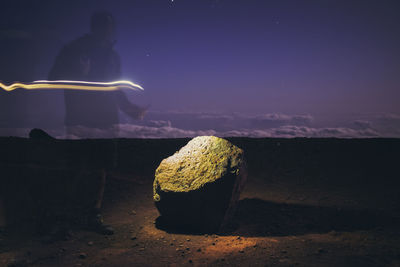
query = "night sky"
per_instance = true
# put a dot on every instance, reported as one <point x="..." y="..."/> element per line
<point x="334" y="64"/>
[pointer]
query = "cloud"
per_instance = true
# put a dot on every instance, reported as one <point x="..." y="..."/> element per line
<point x="389" y="117"/>
<point x="182" y="124"/>
<point x="289" y="131"/>
<point x="138" y="131"/>
<point x="362" y="124"/>
<point x="276" y="119"/>
<point x="159" y="123"/>
<point x="227" y="122"/>
<point x="387" y="124"/>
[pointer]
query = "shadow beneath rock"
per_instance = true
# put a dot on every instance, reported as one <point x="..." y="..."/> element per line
<point x="256" y="217"/>
<point x="187" y="229"/>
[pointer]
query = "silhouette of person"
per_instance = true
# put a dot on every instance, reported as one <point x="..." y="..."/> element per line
<point x="92" y="58"/>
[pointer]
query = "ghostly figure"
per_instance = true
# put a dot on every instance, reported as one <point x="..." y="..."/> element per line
<point x="93" y="58"/>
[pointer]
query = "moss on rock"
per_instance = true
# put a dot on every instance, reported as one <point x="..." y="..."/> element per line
<point x="204" y="178"/>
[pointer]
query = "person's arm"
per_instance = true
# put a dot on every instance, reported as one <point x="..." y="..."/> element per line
<point x="132" y="110"/>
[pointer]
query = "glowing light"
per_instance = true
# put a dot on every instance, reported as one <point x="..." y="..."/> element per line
<point x="73" y="85"/>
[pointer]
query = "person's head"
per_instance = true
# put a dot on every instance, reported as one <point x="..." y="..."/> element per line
<point x="102" y="25"/>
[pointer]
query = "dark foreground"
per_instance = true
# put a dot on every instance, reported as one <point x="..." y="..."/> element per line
<point x="308" y="202"/>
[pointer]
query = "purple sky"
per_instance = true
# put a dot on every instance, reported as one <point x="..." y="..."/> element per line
<point x="336" y="61"/>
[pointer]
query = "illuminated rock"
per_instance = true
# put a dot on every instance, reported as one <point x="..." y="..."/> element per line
<point x="198" y="187"/>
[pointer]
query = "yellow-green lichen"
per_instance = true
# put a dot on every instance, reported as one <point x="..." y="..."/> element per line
<point x="203" y="160"/>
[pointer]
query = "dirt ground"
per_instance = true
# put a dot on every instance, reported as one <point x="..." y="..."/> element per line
<point x="319" y="213"/>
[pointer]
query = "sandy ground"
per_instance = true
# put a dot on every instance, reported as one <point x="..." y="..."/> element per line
<point x="283" y="219"/>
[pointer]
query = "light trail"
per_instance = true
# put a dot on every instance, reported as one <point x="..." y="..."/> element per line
<point x="73" y="85"/>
